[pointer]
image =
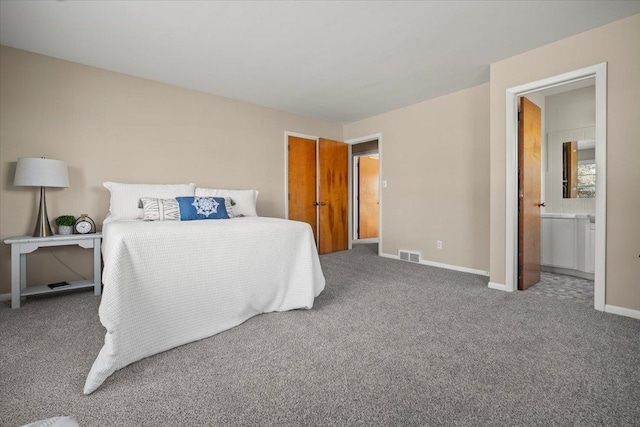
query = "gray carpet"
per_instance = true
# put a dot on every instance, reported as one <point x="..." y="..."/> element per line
<point x="387" y="343"/>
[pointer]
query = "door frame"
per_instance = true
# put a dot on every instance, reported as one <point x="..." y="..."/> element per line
<point x="599" y="71"/>
<point x="356" y="189"/>
<point x="351" y="142"/>
<point x="287" y="134"/>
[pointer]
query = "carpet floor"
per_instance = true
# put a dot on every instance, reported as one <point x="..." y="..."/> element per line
<point x="386" y="343"/>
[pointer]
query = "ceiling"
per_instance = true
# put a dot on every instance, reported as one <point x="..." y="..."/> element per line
<point x="337" y="61"/>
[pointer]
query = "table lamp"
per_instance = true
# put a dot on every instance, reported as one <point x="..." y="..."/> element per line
<point x="41" y="172"/>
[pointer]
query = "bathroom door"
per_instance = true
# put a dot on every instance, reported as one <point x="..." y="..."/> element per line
<point x="528" y="194"/>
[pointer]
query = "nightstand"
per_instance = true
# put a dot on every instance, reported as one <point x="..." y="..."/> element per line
<point x="21" y="246"/>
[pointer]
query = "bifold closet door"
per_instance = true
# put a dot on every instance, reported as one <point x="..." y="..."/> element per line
<point x="325" y="210"/>
<point x="333" y="175"/>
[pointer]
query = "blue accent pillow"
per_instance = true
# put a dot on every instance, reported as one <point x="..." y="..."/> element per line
<point x="192" y="208"/>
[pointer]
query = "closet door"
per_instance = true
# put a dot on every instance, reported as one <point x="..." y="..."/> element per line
<point x="333" y="175"/>
<point x="302" y="181"/>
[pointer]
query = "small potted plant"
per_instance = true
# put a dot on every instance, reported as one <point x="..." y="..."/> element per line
<point x="65" y="224"/>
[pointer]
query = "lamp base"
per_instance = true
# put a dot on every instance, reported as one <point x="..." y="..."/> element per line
<point x="43" y="228"/>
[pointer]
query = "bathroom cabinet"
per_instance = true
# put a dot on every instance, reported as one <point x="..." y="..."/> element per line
<point x="567" y="244"/>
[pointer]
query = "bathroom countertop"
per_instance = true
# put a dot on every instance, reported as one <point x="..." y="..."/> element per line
<point x="590" y="217"/>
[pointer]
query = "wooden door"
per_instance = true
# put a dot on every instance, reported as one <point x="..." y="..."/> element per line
<point x="368" y="203"/>
<point x="302" y="181"/>
<point x="529" y="194"/>
<point x="333" y="175"/>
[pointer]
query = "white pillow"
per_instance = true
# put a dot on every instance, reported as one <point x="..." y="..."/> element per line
<point x="245" y="200"/>
<point x="125" y="198"/>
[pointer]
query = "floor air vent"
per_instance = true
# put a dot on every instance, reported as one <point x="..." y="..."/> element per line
<point x="409" y="256"/>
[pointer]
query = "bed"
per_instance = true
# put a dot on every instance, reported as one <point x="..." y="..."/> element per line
<point x="168" y="283"/>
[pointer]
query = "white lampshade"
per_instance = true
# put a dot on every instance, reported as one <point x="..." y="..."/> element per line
<point x="41" y="172"/>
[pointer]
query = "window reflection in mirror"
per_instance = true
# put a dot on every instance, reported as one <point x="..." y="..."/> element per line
<point x="579" y="169"/>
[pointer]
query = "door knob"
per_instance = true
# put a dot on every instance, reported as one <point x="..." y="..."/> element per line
<point x="315" y="203"/>
<point x="323" y="204"/>
<point x="541" y="205"/>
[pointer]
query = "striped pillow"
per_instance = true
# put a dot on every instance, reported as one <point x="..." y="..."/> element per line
<point x="160" y="209"/>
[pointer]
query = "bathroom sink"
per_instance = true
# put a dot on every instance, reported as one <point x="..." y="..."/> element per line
<point x="592" y="218"/>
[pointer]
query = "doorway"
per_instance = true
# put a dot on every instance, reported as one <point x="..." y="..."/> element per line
<point x="365" y="195"/>
<point x="559" y="220"/>
<point x="599" y="72"/>
<point x="365" y="145"/>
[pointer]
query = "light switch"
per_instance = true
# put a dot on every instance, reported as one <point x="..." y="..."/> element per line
<point x="384" y="184"/>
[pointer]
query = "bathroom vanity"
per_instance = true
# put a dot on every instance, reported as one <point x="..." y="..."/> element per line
<point x="567" y="244"/>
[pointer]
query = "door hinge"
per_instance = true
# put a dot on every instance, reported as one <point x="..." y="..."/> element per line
<point x="519" y="115"/>
<point x="289" y="196"/>
<point x="288" y="147"/>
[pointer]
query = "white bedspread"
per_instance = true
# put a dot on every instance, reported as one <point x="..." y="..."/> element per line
<point x="169" y="283"/>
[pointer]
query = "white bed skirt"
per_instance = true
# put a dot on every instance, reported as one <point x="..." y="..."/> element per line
<point x="173" y="282"/>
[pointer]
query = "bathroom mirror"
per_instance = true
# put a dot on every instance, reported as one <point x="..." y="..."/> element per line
<point x="579" y="169"/>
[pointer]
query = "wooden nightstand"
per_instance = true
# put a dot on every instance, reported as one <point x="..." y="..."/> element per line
<point x="21" y="246"/>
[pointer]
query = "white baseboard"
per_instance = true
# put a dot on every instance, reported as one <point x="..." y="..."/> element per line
<point x="5" y="297"/>
<point x="621" y="311"/>
<point x="440" y="265"/>
<point x="497" y="286"/>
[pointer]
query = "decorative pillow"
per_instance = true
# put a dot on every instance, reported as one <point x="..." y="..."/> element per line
<point x="125" y="198"/>
<point x="160" y="209"/>
<point x="245" y="200"/>
<point x="192" y="208"/>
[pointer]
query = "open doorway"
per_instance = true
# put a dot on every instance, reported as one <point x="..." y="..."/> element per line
<point x="557" y="197"/>
<point x="365" y="195"/>
<point x="597" y="72"/>
<point x="369" y="146"/>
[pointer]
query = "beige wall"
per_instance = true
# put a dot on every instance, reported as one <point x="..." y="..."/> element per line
<point x="112" y="127"/>
<point x="435" y="159"/>
<point x="617" y="44"/>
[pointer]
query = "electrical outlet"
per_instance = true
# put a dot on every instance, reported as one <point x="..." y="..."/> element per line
<point x="439" y="244"/>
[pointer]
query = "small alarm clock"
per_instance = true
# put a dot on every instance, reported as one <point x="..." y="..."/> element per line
<point x="84" y="225"/>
